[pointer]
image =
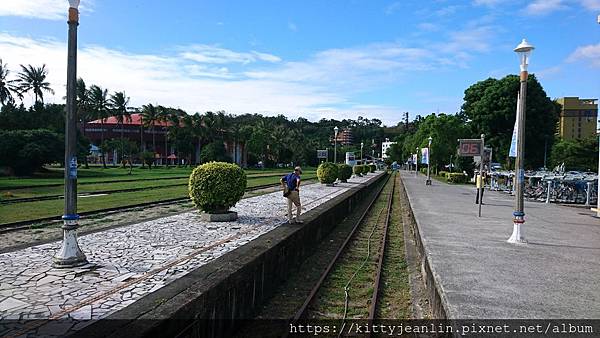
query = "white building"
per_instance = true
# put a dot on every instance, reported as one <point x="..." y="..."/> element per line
<point x="384" y="147"/>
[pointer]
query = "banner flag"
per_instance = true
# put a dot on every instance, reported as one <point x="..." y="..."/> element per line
<point x="414" y="158"/>
<point x="425" y="155"/>
<point x="513" y="142"/>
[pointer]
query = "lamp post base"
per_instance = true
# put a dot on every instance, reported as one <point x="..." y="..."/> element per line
<point x="517" y="236"/>
<point x="69" y="255"/>
<point x="428" y="182"/>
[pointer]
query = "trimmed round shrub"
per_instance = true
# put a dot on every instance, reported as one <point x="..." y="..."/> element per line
<point x="327" y="172"/>
<point x="365" y="169"/>
<point x="357" y="170"/>
<point x="372" y="168"/>
<point x="215" y="187"/>
<point x="344" y="172"/>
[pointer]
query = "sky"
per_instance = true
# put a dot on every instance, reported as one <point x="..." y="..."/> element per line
<point x="310" y="58"/>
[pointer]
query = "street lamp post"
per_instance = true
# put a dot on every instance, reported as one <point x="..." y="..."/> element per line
<point x="417" y="163"/>
<point x="524" y="51"/>
<point x="335" y="133"/>
<point x="480" y="178"/>
<point x="70" y="254"/>
<point x="361" y="153"/>
<point x="428" y="182"/>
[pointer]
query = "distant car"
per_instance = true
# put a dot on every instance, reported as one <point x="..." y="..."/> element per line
<point x="495" y="166"/>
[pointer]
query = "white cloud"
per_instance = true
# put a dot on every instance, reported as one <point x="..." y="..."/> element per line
<point x="42" y="9"/>
<point x="487" y="2"/>
<point x="216" y="55"/>
<point x="549" y="72"/>
<point x="543" y="7"/>
<point x="161" y="79"/>
<point x="428" y="26"/>
<point x="593" y="5"/>
<point x="589" y="53"/>
<point x="393" y="7"/>
<point x="203" y="77"/>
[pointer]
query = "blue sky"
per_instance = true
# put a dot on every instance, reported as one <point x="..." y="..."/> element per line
<point x="333" y="59"/>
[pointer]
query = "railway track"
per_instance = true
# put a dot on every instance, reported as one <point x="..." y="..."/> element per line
<point x="22" y="225"/>
<point x="361" y="255"/>
<point x="109" y="191"/>
<point x="358" y="272"/>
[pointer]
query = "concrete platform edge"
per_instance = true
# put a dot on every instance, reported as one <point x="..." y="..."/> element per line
<point x="231" y="287"/>
<point x="435" y="292"/>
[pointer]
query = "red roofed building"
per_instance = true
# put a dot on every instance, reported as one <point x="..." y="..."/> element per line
<point x="134" y="130"/>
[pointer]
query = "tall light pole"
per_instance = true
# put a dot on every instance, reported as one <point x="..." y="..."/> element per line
<point x="70" y="254"/>
<point x="428" y="182"/>
<point x="361" y="152"/>
<point x="335" y="133"/>
<point x="417" y="163"/>
<point x="524" y="51"/>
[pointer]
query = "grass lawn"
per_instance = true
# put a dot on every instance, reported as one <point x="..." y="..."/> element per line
<point x="98" y="174"/>
<point x="17" y="212"/>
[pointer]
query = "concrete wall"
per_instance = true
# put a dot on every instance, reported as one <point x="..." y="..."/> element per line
<point x="212" y="300"/>
<point x="433" y="294"/>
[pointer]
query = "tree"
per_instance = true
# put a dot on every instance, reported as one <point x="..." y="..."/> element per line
<point x="100" y="110"/>
<point x="118" y="103"/>
<point x="200" y="132"/>
<point x="214" y="151"/>
<point x="6" y="88"/>
<point x="150" y="115"/>
<point x="490" y="108"/>
<point x="576" y="154"/>
<point x="33" y="79"/>
<point x="83" y="109"/>
<point x="24" y="151"/>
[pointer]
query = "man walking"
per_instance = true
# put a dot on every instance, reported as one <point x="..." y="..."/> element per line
<point x="291" y="190"/>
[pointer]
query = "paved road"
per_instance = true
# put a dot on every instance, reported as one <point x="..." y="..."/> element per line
<point x="556" y="275"/>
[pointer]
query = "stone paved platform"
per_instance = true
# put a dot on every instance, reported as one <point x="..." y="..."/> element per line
<point x="480" y="275"/>
<point x="129" y="262"/>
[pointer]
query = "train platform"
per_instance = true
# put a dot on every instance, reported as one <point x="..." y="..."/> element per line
<point x="127" y="263"/>
<point x="478" y="275"/>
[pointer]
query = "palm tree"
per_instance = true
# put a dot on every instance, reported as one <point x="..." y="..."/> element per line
<point x="119" y="102"/>
<point x="100" y="110"/>
<point x="33" y="79"/>
<point x="5" y="85"/>
<point x="83" y="108"/>
<point x="174" y="119"/>
<point x="150" y="115"/>
<point x="200" y="131"/>
<point x="165" y="116"/>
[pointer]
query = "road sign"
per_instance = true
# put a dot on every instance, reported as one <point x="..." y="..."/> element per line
<point x="469" y="147"/>
<point x="322" y="154"/>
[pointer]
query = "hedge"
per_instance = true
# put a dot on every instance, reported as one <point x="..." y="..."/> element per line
<point x="372" y="168"/>
<point x="456" y="178"/>
<point x="327" y="172"/>
<point x="344" y="172"/>
<point x="215" y="187"/>
<point x="357" y="169"/>
<point x="442" y="173"/>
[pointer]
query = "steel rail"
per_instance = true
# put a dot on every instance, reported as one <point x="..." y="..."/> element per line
<point x="375" y="298"/>
<point x="302" y="310"/>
